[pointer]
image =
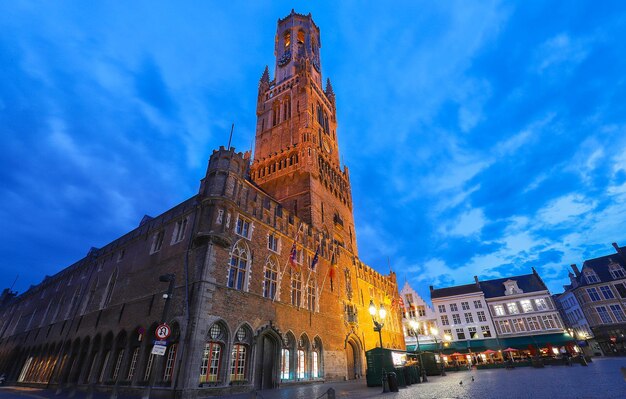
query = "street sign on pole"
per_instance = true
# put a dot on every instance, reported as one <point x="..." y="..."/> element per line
<point x="158" y="350"/>
<point x="163" y="331"/>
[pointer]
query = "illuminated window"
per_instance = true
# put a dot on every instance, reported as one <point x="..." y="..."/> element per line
<point x="533" y="323"/>
<point x="460" y="333"/>
<point x="549" y="322"/>
<point x="505" y="326"/>
<point x="486" y="332"/>
<point x="499" y="310"/>
<point x="238" y="363"/>
<point x="472" y="332"/>
<point x="526" y="306"/>
<point x="287" y="39"/>
<point x="541" y="304"/>
<point x="284" y="361"/>
<point x="301" y="368"/>
<point x="301" y="37"/>
<point x="518" y="325"/>
<point x="314" y="365"/>
<point x="210" y="365"/>
<point x="512" y="307"/>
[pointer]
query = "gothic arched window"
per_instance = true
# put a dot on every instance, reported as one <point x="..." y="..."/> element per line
<point x="238" y="266"/>
<point x="270" y="278"/>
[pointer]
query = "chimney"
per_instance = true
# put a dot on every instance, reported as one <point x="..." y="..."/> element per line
<point x="575" y="269"/>
<point x="476" y="280"/>
<point x="431" y="288"/>
<point x="534" y="271"/>
<point x="619" y="251"/>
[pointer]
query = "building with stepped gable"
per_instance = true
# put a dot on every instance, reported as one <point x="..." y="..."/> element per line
<point x="256" y="276"/>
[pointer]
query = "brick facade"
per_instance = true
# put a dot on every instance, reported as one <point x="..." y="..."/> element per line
<point x="236" y="311"/>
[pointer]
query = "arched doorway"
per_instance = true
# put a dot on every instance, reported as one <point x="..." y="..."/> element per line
<point x="353" y="358"/>
<point x="266" y="365"/>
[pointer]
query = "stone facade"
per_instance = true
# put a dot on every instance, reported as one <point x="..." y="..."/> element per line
<point x="247" y="309"/>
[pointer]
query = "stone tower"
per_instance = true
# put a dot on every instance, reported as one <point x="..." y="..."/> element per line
<point x="296" y="151"/>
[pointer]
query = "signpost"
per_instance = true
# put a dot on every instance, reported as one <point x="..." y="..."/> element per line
<point x="163" y="331"/>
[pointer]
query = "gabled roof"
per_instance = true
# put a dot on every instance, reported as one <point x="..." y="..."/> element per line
<point x="601" y="267"/>
<point x="526" y="282"/>
<point x="452" y="291"/>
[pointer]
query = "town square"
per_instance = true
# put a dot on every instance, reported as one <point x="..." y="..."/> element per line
<point x="247" y="200"/>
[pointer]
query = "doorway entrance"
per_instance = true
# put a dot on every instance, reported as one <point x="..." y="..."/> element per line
<point x="267" y="358"/>
<point x="352" y="361"/>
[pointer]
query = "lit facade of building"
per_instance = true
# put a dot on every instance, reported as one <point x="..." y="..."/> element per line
<point x="418" y="311"/>
<point x="267" y="287"/>
<point x="516" y="312"/>
<point x="463" y="317"/>
<point x="600" y="292"/>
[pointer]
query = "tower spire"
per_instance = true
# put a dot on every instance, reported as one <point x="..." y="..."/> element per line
<point x="265" y="78"/>
<point x="330" y="94"/>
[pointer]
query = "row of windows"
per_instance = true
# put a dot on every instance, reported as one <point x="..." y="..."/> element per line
<point x="526" y="306"/>
<point x="472" y="333"/>
<point x="177" y="236"/>
<point x="239" y="271"/>
<point x="531" y="323"/>
<point x="606" y="291"/>
<point x="469" y="318"/>
<point x="615" y="269"/>
<point x="615" y="310"/>
<point x="478" y="304"/>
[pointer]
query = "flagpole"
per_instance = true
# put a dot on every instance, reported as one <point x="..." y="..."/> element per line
<point x="281" y="273"/>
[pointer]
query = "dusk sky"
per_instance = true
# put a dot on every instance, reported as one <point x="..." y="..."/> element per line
<point x="483" y="138"/>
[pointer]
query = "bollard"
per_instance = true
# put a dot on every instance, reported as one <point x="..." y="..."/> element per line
<point x="330" y="393"/>
<point x="385" y="383"/>
<point x="424" y="377"/>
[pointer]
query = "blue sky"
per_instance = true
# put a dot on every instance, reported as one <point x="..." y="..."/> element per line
<point x="483" y="138"/>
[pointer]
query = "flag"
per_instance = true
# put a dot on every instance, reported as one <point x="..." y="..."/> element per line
<point x="293" y="256"/>
<point x="315" y="258"/>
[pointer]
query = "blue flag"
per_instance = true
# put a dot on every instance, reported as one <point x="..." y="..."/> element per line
<point x="315" y="258"/>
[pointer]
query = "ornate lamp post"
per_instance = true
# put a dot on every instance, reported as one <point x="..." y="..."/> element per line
<point x="435" y="332"/>
<point x="379" y="321"/>
<point x="415" y="328"/>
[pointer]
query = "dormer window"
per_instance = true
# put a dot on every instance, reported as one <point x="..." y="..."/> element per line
<point x="591" y="276"/>
<point x="616" y="270"/>
<point x="511" y="288"/>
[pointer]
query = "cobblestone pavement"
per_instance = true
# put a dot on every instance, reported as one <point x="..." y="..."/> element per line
<point x="602" y="379"/>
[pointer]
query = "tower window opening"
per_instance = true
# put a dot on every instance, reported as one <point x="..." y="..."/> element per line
<point x="301" y="37"/>
<point x="287" y="40"/>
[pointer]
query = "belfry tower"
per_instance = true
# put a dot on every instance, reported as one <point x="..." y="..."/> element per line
<point x="296" y="152"/>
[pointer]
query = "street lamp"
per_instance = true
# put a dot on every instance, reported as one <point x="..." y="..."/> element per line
<point x="378" y="324"/>
<point x="434" y="332"/>
<point x="415" y="328"/>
